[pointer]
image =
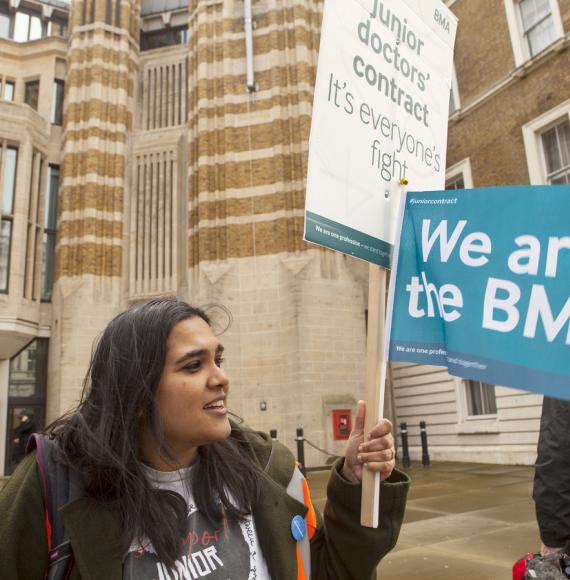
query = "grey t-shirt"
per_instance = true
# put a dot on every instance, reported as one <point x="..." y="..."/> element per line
<point x="222" y="552"/>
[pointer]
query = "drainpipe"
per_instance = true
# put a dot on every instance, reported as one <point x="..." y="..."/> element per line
<point x="248" y="25"/>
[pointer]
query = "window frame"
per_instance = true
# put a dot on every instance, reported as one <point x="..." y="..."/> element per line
<point x="472" y="424"/>
<point x="37" y="401"/>
<point x="460" y="169"/>
<point x="31" y="15"/>
<point x="534" y="147"/>
<point x="56" y="115"/>
<point x="49" y="231"/>
<point x="26" y="84"/>
<point x="8" y="217"/>
<point x="521" y="50"/>
<point x="6" y="13"/>
<point x="12" y="83"/>
<point x="468" y="384"/>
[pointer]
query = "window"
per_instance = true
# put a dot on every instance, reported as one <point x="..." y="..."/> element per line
<point x="547" y="146"/>
<point x="56" y="28"/>
<point x="164" y="37"/>
<point x="9" y="87"/>
<point x="34" y="229"/>
<point x="455" y="183"/>
<point x="533" y="25"/>
<point x="556" y="146"/>
<point x="108" y="11"/>
<point x="537" y="24"/>
<point x="26" y="399"/>
<point x="27" y="27"/>
<point x="481" y="398"/>
<point x="8" y="166"/>
<point x="454" y="103"/>
<point x="57" y="103"/>
<point x="459" y="176"/>
<point x="32" y="94"/>
<point x="4" y="25"/>
<point x="50" y="223"/>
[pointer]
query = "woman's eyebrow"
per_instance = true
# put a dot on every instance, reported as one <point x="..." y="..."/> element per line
<point x="191" y="354"/>
<point x="197" y="352"/>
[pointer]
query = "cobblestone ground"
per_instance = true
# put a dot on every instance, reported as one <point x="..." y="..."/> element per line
<point x="464" y="521"/>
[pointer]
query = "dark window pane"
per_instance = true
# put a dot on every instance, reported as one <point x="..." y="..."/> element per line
<point x="32" y="94"/>
<point x="28" y="371"/>
<point x="489" y="400"/>
<point x="564" y="135"/>
<point x="57" y="103"/>
<point x="48" y="266"/>
<point x="5" y="244"/>
<point x="165" y="37"/>
<point x="457" y="183"/>
<point x="9" y="186"/>
<point x="26" y="398"/>
<point x="22" y="422"/>
<point x="451" y="102"/>
<point x="551" y="150"/>
<point x="556" y="146"/>
<point x="51" y="198"/>
<point x="481" y="399"/>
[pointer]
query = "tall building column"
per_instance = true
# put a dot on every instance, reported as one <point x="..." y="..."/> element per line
<point x="98" y="117"/>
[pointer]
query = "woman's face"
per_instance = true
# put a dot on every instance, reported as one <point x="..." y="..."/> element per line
<point x="191" y="396"/>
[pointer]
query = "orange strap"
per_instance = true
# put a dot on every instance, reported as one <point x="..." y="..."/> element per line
<point x="311" y="517"/>
<point x="300" y="571"/>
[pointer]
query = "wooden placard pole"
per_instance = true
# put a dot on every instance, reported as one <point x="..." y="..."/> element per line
<point x="375" y="385"/>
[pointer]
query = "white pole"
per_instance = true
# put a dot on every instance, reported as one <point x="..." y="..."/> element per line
<point x="248" y="25"/>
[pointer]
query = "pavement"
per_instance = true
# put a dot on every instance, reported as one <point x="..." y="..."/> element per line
<point x="464" y="521"/>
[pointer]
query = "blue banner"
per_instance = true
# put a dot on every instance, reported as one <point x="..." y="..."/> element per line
<point x="481" y="284"/>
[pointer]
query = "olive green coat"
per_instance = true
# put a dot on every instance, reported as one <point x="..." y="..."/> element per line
<point x="340" y="549"/>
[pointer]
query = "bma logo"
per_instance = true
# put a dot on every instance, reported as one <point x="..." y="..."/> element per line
<point x="441" y="20"/>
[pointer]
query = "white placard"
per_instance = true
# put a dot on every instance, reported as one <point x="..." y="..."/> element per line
<point x="380" y="117"/>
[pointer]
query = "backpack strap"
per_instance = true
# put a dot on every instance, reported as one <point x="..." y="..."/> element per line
<point x="60" y="484"/>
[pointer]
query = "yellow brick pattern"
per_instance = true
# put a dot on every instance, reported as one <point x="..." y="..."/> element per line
<point x="242" y="143"/>
<point x="102" y="62"/>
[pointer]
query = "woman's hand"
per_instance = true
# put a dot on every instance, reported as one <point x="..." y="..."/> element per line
<point x="373" y="451"/>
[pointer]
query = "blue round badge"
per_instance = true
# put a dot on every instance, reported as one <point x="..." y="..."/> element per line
<point x="298" y="528"/>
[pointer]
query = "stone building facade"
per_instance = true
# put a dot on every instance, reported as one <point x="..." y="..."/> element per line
<point x="509" y="125"/>
<point x="175" y="178"/>
<point x="139" y="160"/>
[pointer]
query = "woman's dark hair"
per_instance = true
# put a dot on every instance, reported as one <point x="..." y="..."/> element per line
<point x="101" y="438"/>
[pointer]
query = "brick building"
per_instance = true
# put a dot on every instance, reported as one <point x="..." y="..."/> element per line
<point x="509" y="124"/>
<point x="142" y="156"/>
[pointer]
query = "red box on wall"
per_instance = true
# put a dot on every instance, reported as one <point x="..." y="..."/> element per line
<point x="342" y="423"/>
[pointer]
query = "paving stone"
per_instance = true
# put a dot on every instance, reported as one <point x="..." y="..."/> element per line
<point x="430" y="564"/>
<point x="463" y="521"/>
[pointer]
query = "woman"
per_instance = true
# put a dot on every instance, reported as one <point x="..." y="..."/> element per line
<point x="171" y="488"/>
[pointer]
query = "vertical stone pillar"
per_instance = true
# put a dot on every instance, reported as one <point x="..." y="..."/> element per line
<point x="248" y="152"/>
<point x="98" y="116"/>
